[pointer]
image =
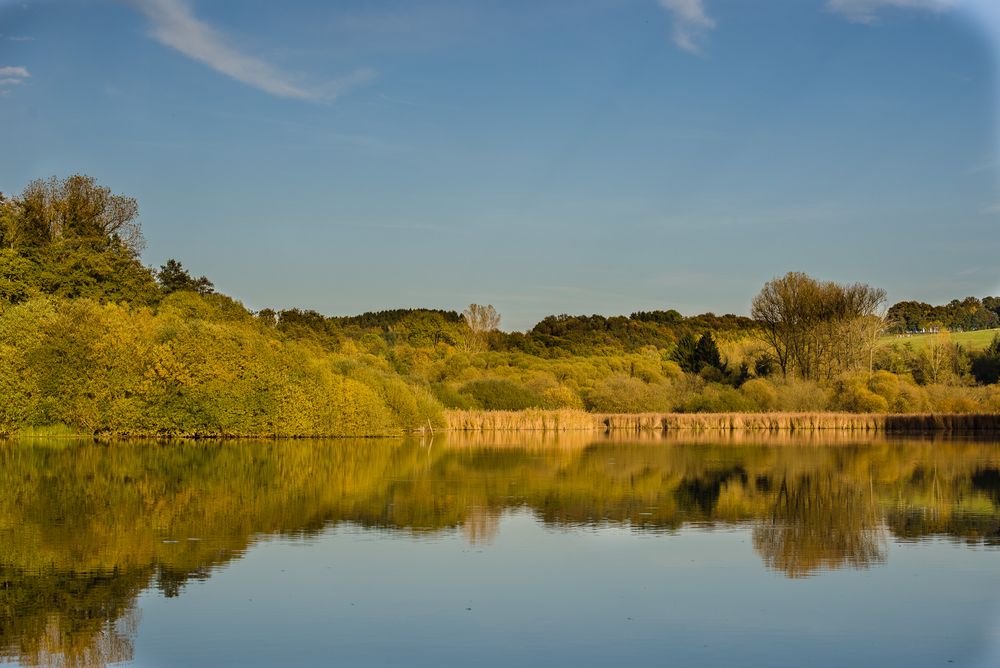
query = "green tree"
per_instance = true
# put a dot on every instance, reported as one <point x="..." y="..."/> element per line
<point x="706" y="353"/>
<point x="685" y="352"/>
<point x="993" y="304"/>
<point x="75" y="208"/>
<point x="986" y="364"/>
<point x="73" y="270"/>
<point x="172" y="277"/>
<point x="693" y="354"/>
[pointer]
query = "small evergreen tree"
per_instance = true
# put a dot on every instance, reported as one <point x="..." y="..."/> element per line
<point x="706" y="353"/>
<point x="172" y="277"/>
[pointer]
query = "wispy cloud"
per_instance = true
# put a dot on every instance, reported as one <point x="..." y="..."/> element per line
<point x="176" y="26"/>
<point x="691" y="22"/>
<point x="9" y="71"/>
<point x="867" y="11"/>
<point x="12" y="76"/>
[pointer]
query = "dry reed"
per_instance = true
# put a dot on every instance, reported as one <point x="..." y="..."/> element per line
<point x="527" y="420"/>
<point x="571" y="420"/>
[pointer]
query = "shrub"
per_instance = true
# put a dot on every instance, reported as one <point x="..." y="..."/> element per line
<point x="991" y="399"/>
<point x="624" y="394"/>
<point x="851" y="394"/>
<point x="560" y="396"/>
<point x="646" y="370"/>
<point x="452" y="398"/>
<point x="671" y="370"/>
<point x="900" y="393"/>
<point x="761" y="394"/>
<point x="718" y="399"/>
<point x="495" y="394"/>
<point x="214" y="307"/>
<point x="802" y="396"/>
<point x="952" y="399"/>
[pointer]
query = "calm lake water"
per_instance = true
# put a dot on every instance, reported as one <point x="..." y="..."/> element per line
<point x="502" y="551"/>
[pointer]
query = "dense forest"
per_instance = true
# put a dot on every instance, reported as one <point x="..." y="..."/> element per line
<point x="94" y="341"/>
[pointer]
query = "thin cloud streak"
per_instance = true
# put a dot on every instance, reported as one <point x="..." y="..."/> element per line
<point x="867" y="11"/>
<point x="20" y="72"/>
<point x="176" y="26"/>
<point x="691" y="22"/>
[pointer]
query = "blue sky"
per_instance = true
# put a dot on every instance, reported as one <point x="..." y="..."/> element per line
<point x="577" y="156"/>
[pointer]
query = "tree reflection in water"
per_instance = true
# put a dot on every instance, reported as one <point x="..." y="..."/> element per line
<point x="86" y="527"/>
<point x="69" y="619"/>
<point x="820" y="523"/>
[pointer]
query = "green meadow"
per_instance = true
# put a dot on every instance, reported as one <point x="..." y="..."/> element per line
<point x="971" y="341"/>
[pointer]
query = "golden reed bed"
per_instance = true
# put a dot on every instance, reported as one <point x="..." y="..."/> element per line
<point x="571" y="420"/>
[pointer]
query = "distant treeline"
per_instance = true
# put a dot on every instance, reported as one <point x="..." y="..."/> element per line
<point x="555" y="335"/>
<point x="964" y="315"/>
<point x="92" y="339"/>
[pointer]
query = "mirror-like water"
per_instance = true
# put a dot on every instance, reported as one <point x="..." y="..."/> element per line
<point x="502" y="550"/>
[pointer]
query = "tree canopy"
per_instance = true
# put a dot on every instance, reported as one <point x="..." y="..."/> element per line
<point x="74" y="208"/>
<point x="819" y="329"/>
<point x="172" y="277"/>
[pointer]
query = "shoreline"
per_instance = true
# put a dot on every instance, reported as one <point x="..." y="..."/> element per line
<point x="582" y="422"/>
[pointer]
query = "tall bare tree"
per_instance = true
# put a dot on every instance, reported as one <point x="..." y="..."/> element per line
<point x="481" y="320"/>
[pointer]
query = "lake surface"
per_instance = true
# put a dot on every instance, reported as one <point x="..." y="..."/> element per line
<point x="505" y="550"/>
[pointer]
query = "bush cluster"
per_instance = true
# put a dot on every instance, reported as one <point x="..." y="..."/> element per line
<point x="196" y="366"/>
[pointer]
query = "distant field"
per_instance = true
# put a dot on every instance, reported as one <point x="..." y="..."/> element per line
<point x="968" y="340"/>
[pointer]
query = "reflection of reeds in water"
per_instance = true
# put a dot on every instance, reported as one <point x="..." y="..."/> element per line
<point x="820" y="523"/>
<point x="779" y="422"/>
<point x="572" y="420"/>
<point x="543" y="440"/>
<point x="481" y="525"/>
<point x="577" y="440"/>
<point x="58" y="645"/>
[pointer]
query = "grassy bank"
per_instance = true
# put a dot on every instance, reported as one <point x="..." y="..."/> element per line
<point x="568" y="420"/>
